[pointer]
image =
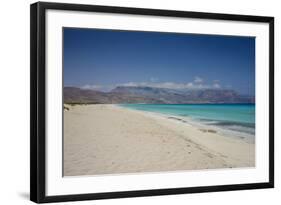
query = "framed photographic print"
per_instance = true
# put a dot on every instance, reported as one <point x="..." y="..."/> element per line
<point x="129" y="102"/>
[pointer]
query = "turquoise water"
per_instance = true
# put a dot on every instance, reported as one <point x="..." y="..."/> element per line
<point x="237" y="117"/>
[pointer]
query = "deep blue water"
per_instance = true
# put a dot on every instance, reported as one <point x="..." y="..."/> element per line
<point x="237" y="117"/>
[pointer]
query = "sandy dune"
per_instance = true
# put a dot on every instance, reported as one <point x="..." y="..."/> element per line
<point x="107" y="139"/>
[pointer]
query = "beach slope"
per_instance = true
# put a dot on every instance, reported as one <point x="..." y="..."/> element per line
<point x="108" y="139"/>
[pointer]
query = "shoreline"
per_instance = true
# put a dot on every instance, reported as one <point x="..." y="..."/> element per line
<point x="250" y="138"/>
<point x="114" y="139"/>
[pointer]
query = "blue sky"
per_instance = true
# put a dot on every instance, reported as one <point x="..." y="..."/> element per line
<point x="102" y="59"/>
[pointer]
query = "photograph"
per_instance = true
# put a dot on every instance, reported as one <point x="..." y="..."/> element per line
<point x="135" y="102"/>
<point x="151" y="102"/>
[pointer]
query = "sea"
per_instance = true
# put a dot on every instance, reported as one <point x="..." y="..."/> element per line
<point x="239" y="118"/>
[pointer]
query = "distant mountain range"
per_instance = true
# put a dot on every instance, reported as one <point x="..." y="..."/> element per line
<point x="152" y="95"/>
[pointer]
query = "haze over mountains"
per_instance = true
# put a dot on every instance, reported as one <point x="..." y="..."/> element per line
<point x="152" y="95"/>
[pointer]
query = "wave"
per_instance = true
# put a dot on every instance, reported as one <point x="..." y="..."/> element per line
<point x="245" y="127"/>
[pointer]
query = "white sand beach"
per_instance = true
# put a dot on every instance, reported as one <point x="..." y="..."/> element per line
<point x="108" y="139"/>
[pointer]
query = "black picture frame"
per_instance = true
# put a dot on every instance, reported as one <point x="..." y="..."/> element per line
<point x="38" y="103"/>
